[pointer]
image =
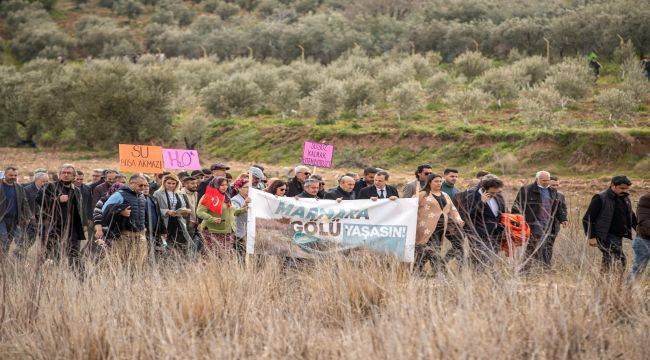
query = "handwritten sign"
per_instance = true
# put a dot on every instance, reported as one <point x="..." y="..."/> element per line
<point x="181" y="159"/>
<point x="317" y="154"/>
<point x="141" y="158"/>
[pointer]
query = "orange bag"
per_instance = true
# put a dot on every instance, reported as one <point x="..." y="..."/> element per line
<point x="517" y="232"/>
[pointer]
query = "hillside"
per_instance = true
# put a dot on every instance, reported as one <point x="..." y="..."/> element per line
<point x="389" y="83"/>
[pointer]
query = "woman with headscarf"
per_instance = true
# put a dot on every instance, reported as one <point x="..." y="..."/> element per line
<point x="218" y="214"/>
<point x="174" y="212"/>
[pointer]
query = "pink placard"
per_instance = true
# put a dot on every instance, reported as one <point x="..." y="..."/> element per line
<point x="317" y="154"/>
<point x="181" y="159"/>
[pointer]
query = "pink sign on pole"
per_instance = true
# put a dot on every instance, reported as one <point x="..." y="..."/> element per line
<point x="181" y="159"/>
<point x="317" y="154"/>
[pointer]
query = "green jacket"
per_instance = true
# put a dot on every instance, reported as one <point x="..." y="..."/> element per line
<point x="227" y="224"/>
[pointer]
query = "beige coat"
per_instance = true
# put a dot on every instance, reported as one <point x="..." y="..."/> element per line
<point x="429" y="212"/>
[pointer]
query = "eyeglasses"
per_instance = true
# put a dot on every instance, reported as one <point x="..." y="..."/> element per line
<point x="427" y="173"/>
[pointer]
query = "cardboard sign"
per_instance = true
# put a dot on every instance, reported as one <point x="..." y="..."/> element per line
<point x="141" y="158"/>
<point x="181" y="159"/>
<point x="317" y="154"/>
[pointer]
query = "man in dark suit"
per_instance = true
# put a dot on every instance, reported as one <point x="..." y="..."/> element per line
<point x="541" y="207"/>
<point x="31" y="191"/>
<point x="485" y="208"/>
<point x="379" y="189"/>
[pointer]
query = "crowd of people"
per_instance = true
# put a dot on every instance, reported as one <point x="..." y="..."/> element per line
<point x="134" y="219"/>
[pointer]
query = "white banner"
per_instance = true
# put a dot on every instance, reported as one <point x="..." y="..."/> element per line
<point x="311" y="228"/>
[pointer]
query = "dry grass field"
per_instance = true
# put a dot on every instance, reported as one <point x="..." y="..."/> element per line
<point x="361" y="308"/>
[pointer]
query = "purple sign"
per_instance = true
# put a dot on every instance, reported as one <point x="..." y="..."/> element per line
<point x="181" y="159"/>
<point x="317" y="154"/>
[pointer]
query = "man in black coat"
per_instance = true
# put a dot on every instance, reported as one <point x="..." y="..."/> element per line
<point x="379" y="189"/>
<point x="368" y="179"/>
<point x="345" y="190"/>
<point x="312" y="185"/>
<point x="609" y="219"/>
<point x="31" y="191"/>
<point x="62" y="226"/>
<point x="15" y="213"/>
<point x="295" y="185"/>
<point x="541" y="207"/>
<point x="485" y="207"/>
<point x="218" y="170"/>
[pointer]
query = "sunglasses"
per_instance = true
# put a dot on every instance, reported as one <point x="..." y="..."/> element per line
<point x="427" y="173"/>
<point x="281" y="189"/>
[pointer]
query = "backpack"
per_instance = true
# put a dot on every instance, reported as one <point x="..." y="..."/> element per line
<point x="516" y="233"/>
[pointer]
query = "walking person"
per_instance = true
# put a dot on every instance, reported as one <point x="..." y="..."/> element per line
<point x="412" y="188"/>
<point x="174" y="211"/>
<point x="240" y="203"/>
<point x="191" y="197"/>
<point x="608" y="220"/>
<point x="434" y="210"/>
<point x="454" y="232"/>
<point x="124" y="215"/>
<point x="31" y="191"/>
<point x="541" y="207"/>
<point x="485" y="207"/>
<point x="15" y="213"/>
<point x="218" y="214"/>
<point x="368" y="180"/>
<point x="61" y="226"/>
<point x="345" y="190"/>
<point x="641" y="243"/>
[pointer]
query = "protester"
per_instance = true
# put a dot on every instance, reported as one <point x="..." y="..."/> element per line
<point x="157" y="181"/>
<point x="310" y="189"/>
<point x="154" y="225"/>
<point x="380" y="189"/>
<point x="124" y="215"/>
<point x="61" y="226"/>
<point x="101" y="189"/>
<point x="277" y="188"/>
<point x="485" y="207"/>
<point x="198" y="175"/>
<point x="412" y="188"/>
<point x="258" y="178"/>
<point x="454" y="233"/>
<point x="190" y="194"/>
<point x="540" y="205"/>
<point x="321" y="186"/>
<point x="555" y="184"/>
<point x="31" y="190"/>
<point x="608" y="220"/>
<point x="218" y="226"/>
<point x="295" y="185"/>
<point x="641" y="243"/>
<point x="86" y="203"/>
<point x="174" y="211"/>
<point x="96" y="176"/>
<point x="216" y="170"/>
<point x="95" y="247"/>
<point x="15" y="213"/>
<point x="434" y="210"/>
<point x="240" y="202"/>
<point x="368" y="180"/>
<point x="345" y="190"/>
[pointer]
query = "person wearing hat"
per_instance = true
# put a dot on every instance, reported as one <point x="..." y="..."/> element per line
<point x="216" y="170"/>
<point x="258" y="178"/>
<point x="175" y="212"/>
<point x="198" y="175"/>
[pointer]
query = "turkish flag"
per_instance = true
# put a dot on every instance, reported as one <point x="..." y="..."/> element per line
<point x="213" y="200"/>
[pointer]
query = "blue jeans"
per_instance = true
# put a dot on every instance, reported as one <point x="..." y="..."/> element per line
<point x="9" y="231"/>
<point x="641" y="249"/>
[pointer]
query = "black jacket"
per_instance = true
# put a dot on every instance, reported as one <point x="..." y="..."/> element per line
<point x="359" y="185"/>
<point x="294" y="187"/>
<point x="337" y="193"/>
<point x="31" y="191"/>
<point x="24" y="212"/>
<point x="56" y="216"/>
<point x="529" y="203"/>
<point x="371" y="191"/>
<point x="307" y="196"/>
<point x="86" y="202"/>
<point x="117" y="223"/>
<point x="484" y="224"/>
<point x="599" y="216"/>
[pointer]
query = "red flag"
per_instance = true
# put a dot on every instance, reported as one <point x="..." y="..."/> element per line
<point x="213" y="200"/>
